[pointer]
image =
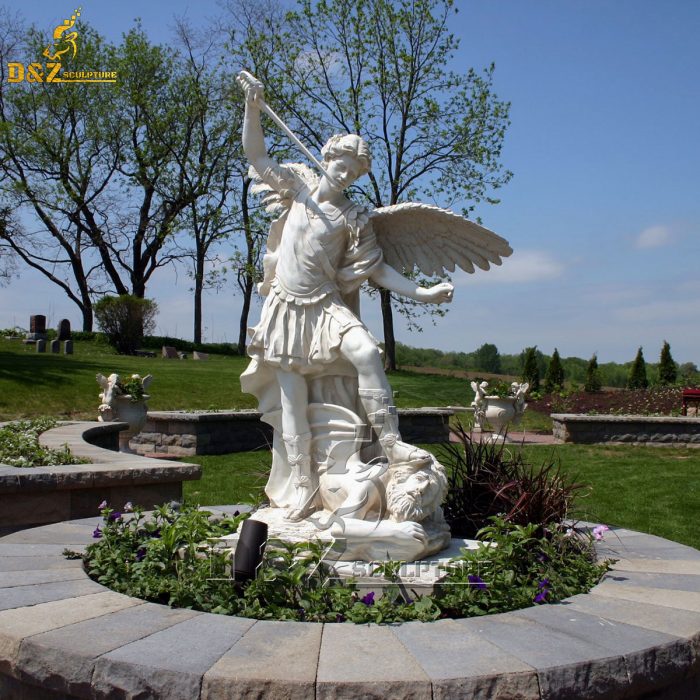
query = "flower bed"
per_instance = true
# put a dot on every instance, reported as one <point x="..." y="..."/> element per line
<point x="19" y="445"/>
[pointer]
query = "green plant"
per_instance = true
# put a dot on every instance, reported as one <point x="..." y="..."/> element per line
<point x="173" y="558"/>
<point x="638" y="373"/>
<point x="518" y="565"/>
<point x="531" y="369"/>
<point x="125" y="319"/>
<point x="593" y="383"/>
<point x="668" y="372"/>
<point x="487" y="479"/>
<point x="500" y="389"/>
<point x="133" y="387"/>
<point x="19" y="446"/>
<point x="554" y="377"/>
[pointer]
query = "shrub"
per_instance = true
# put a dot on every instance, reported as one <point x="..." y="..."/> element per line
<point x="531" y="369"/>
<point x="157" y="342"/>
<point x="638" y="374"/>
<point x="125" y="319"/>
<point x="667" y="367"/>
<point x="554" y="377"/>
<point x="486" y="479"/>
<point x="593" y="383"/>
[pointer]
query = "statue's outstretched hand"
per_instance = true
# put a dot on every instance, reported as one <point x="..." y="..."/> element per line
<point x="438" y="294"/>
<point x="253" y="88"/>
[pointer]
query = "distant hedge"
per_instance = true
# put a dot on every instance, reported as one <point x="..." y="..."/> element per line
<point x="156" y="342"/>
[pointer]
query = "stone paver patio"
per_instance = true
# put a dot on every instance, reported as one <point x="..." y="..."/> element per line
<point x="637" y="634"/>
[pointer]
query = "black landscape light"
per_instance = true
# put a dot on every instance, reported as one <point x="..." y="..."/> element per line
<point x="249" y="550"/>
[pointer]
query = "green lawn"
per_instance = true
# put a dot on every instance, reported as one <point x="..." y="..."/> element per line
<point x="33" y="384"/>
<point x="655" y="490"/>
<point x="649" y="489"/>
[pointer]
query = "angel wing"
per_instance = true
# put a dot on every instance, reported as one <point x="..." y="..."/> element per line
<point x="276" y="202"/>
<point x="435" y="240"/>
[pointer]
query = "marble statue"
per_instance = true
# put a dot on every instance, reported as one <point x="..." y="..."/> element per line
<point x="338" y="457"/>
<point x="498" y="411"/>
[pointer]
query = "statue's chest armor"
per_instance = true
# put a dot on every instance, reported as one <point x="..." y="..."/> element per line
<point x="311" y="226"/>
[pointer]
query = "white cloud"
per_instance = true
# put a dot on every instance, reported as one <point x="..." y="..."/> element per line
<point x="523" y="266"/>
<point x="661" y="311"/>
<point x="653" y="237"/>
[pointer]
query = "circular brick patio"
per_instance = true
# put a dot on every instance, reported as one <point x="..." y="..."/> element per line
<point x="636" y="634"/>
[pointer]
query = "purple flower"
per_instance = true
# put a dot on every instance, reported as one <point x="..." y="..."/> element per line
<point x="368" y="599"/>
<point x="542" y="557"/>
<point x="340" y="618"/>
<point x="97" y="533"/>
<point x="543" y="583"/>
<point x="140" y="553"/>
<point x="476" y="581"/>
<point x="102" y="505"/>
<point x="541" y="597"/>
<point x="128" y="507"/>
<point x="115" y="516"/>
<point x="599" y="531"/>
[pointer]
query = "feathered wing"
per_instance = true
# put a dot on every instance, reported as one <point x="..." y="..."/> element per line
<point x="435" y="240"/>
<point x="275" y="202"/>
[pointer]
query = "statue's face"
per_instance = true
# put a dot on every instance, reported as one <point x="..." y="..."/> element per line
<point x="415" y="498"/>
<point x="344" y="169"/>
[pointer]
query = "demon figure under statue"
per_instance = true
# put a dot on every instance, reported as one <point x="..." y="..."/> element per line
<point x="339" y="462"/>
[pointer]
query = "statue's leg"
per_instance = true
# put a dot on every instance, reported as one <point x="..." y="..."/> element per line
<point x="297" y="440"/>
<point x="375" y="394"/>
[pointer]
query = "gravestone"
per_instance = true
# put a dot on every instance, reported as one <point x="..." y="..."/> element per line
<point x="64" y="330"/>
<point x="169" y="352"/>
<point x="37" y="328"/>
<point x="41" y="345"/>
<point x="67" y="347"/>
<point x="196" y="355"/>
<point x="55" y="345"/>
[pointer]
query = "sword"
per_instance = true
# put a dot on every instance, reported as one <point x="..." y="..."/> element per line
<point x="245" y="78"/>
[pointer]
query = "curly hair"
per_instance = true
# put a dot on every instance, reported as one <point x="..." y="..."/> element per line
<point x="353" y="144"/>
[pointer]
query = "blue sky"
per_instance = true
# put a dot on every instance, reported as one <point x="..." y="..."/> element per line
<point x="603" y="212"/>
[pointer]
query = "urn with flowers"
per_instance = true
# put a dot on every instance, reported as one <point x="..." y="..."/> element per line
<point x="498" y="406"/>
<point x="124" y="401"/>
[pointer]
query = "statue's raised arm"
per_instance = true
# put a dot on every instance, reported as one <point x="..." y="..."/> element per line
<point x="253" y="137"/>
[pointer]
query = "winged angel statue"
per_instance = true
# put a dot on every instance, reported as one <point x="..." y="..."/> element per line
<point x="338" y="458"/>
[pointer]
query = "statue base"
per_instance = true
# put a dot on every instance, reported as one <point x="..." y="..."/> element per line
<point x="352" y="540"/>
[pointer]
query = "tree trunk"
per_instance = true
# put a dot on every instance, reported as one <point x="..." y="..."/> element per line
<point x="198" y="284"/>
<point x="389" y="340"/>
<point x="243" y="325"/>
<point x="249" y="281"/>
<point x="87" y="317"/>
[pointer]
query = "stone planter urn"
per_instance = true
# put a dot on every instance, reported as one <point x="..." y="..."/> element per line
<point x="496" y="412"/>
<point x="118" y="405"/>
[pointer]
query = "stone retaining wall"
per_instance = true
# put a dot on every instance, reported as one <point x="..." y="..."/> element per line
<point x="63" y="636"/>
<point x="36" y="495"/>
<point x="638" y="430"/>
<point x="185" y="434"/>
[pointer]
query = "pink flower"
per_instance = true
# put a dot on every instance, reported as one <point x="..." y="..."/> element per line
<point x="102" y="505"/>
<point x="599" y="531"/>
<point x="128" y="507"/>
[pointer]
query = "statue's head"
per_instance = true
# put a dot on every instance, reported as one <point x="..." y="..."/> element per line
<point x="352" y="145"/>
<point x="415" y="494"/>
